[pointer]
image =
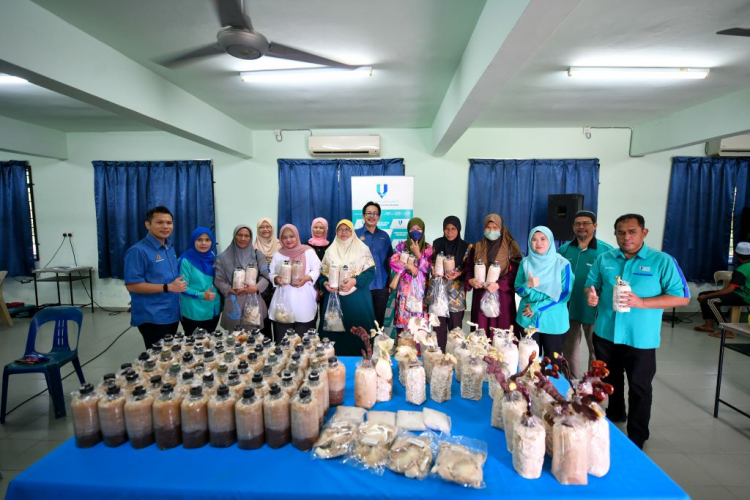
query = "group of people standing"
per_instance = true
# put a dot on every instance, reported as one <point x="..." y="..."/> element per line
<point x="565" y="295"/>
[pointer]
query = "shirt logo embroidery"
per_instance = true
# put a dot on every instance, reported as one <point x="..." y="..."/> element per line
<point x="159" y="257"/>
<point x="644" y="268"/>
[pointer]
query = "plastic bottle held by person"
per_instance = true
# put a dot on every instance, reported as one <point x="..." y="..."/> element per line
<point x="112" y="417"/>
<point x="286" y="273"/>
<point x="249" y="418"/>
<point x="619" y="289"/>
<point x="439" y="265"/>
<point x="304" y="414"/>
<point x="238" y="279"/>
<point x="194" y="419"/>
<point x="86" y="427"/>
<point x="139" y="420"/>
<point x="222" y="430"/>
<point x="333" y="277"/>
<point x="449" y="264"/>
<point x="494" y="274"/>
<point x="480" y="272"/>
<point x="404" y="257"/>
<point x="167" y="421"/>
<point x="251" y="275"/>
<point x="297" y="271"/>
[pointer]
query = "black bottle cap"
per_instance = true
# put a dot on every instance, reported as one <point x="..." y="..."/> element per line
<point x="257" y="377"/>
<point x="187" y="375"/>
<point x="275" y="389"/>
<point x="238" y="349"/>
<point x="130" y="377"/>
<point x="233" y="376"/>
<point x="86" y="389"/>
<point x="307" y="341"/>
<point x="155" y="379"/>
<point x="267" y="370"/>
<point x="285" y="342"/>
<point x="174" y="368"/>
<point x="267" y="342"/>
<point x="248" y="393"/>
<point x="253" y="356"/>
<point x="156" y="347"/>
<point x="208" y="354"/>
<point x="243" y="365"/>
<point x="305" y="392"/>
<point x="113" y="390"/>
<point x="223" y="390"/>
<point x="313" y="376"/>
<point x="187" y="357"/>
<point x="196" y="390"/>
<point x="139" y="391"/>
<point x="286" y="376"/>
<point x="217" y="334"/>
<point x="166" y="388"/>
<point x="251" y="340"/>
<point x="109" y="376"/>
<point x="278" y="351"/>
<point x="143" y="356"/>
<point x="298" y="348"/>
<point x="176" y="348"/>
<point x="125" y="366"/>
<point x="208" y="377"/>
<point x="168" y="338"/>
<point x="296" y="356"/>
<point x="333" y="359"/>
<point x="259" y="348"/>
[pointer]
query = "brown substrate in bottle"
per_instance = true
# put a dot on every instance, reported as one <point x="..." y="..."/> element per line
<point x="195" y="439"/>
<point x="168" y="438"/>
<point x="251" y="444"/>
<point x="115" y="439"/>
<point x="337" y="398"/>
<point x="278" y="438"/>
<point x="89" y="440"/>
<point x="222" y="439"/>
<point x="139" y="442"/>
<point x="305" y="444"/>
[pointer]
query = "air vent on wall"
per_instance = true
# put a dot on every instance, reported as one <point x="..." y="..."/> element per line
<point x="344" y="146"/>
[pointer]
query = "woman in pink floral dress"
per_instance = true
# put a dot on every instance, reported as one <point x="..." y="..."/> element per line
<point x="412" y="271"/>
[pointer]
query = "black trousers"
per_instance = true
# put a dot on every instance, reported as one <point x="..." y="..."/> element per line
<point x="639" y="365"/>
<point x="549" y="344"/>
<point x="454" y="320"/>
<point x="380" y="303"/>
<point x="279" y="329"/>
<point x="153" y="333"/>
<point x="189" y="325"/>
<point x="711" y="308"/>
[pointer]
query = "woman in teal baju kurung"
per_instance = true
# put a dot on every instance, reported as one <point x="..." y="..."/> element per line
<point x="353" y="293"/>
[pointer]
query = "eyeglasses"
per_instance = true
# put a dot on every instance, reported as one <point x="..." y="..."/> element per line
<point x="343" y="230"/>
<point x="372" y="214"/>
<point x="582" y="224"/>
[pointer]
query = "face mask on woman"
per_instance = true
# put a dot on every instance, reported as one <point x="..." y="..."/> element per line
<point x="491" y="235"/>
<point x="415" y="235"/>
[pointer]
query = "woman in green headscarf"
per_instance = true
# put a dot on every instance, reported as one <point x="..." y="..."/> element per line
<point x="411" y="262"/>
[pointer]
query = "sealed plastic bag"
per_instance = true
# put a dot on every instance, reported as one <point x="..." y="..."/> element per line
<point x="415" y="299"/>
<point x="570" y="446"/>
<point x="439" y="300"/>
<point x="281" y="307"/>
<point x="251" y="312"/>
<point x="490" y="304"/>
<point x="528" y="446"/>
<point x="371" y="445"/>
<point x="333" y="321"/>
<point x="461" y="460"/>
<point x="412" y="455"/>
<point x="335" y="439"/>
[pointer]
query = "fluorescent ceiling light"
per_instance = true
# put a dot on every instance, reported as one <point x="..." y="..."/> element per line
<point x="306" y="75"/>
<point x="9" y="79"/>
<point x="603" y="73"/>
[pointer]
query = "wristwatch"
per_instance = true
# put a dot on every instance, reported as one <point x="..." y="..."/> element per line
<point x="166" y="288"/>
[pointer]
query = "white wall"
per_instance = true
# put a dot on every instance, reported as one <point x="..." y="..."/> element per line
<point x="248" y="189"/>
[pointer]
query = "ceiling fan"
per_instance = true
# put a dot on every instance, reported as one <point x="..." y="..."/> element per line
<point x="735" y="32"/>
<point x="238" y="39"/>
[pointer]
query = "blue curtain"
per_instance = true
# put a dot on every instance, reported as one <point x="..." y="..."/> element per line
<point x="16" y="252"/>
<point x="699" y="212"/>
<point x="125" y="191"/>
<point x="322" y="188"/>
<point x="518" y="190"/>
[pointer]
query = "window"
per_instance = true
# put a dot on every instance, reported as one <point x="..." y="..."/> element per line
<point x="32" y="212"/>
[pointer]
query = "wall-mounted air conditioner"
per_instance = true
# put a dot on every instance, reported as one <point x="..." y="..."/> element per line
<point x="338" y="146"/>
<point x="739" y="145"/>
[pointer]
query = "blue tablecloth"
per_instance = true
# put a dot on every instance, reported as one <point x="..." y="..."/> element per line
<point x="112" y="473"/>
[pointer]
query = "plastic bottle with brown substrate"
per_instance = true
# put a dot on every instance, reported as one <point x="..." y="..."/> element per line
<point x="221" y="374"/>
<point x="86" y="427"/>
<point x="112" y="417"/>
<point x="209" y="383"/>
<point x="167" y="427"/>
<point x="165" y="360"/>
<point x="336" y="381"/>
<point x="243" y="368"/>
<point x="230" y="360"/>
<point x="304" y="359"/>
<point x="240" y="353"/>
<point x="261" y="354"/>
<point x="209" y="360"/>
<point x="187" y="361"/>
<point x="277" y="417"/>
<point x="273" y="363"/>
<point x="235" y="384"/>
<point x="149" y="369"/>
<point x="259" y="385"/>
<point x="268" y="346"/>
<point x="293" y="337"/>
<point x="319" y="393"/>
<point x="140" y="361"/>
<point x="365" y="384"/>
<point x="248" y="412"/>
<point x="323" y="376"/>
<point x="268" y="375"/>
<point x="222" y="429"/>
<point x="194" y="418"/>
<point x="255" y="363"/>
<point x="305" y="428"/>
<point x="108" y="380"/>
<point x="172" y="376"/>
<point x="287" y="383"/>
<point x="139" y="420"/>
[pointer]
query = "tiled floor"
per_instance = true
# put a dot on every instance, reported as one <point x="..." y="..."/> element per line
<point x="709" y="458"/>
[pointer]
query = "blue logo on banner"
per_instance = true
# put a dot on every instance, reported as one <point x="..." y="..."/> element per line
<point x="383" y="188"/>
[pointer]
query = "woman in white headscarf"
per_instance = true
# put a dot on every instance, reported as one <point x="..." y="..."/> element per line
<point x="240" y="254"/>
<point x="354" y="293"/>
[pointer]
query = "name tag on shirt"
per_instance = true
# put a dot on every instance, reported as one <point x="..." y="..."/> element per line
<point x="590" y="264"/>
<point x="159" y="258"/>
<point x="644" y="268"/>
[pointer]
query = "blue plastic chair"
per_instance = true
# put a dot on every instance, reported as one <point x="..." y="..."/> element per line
<point x="60" y="354"/>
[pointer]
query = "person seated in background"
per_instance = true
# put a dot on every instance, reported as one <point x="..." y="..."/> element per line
<point x="736" y="293"/>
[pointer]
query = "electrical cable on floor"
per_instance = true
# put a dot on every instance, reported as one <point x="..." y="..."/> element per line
<point x="71" y="373"/>
<point x="75" y="262"/>
<point x="679" y="320"/>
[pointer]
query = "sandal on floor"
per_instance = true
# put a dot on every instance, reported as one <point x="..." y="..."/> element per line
<point x="702" y="328"/>
<point x="717" y="335"/>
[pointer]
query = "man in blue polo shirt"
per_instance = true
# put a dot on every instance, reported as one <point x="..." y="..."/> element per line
<point x="627" y="341"/>
<point x="151" y="277"/>
<point x="581" y="252"/>
<point x="380" y="246"/>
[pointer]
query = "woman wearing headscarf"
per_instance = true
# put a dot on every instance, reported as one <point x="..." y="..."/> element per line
<point x="298" y="296"/>
<point x="318" y="242"/>
<point x="412" y="273"/>
<point x="267" y="243"/>
<point x="200" y="305"/>
<point x="240" y="254"/>
<point x="544" y="282"/>
<point x="354" y="292"/>
<point x="450" y="244"/>
<point x="497" y="245"/>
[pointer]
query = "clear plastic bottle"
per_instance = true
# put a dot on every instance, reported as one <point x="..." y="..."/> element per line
<point x="187" y="380"/>
<point x="273" y="362"/>
<point x="167" y="427"/>
<point x="194" y="419"/>
<point x="132" y="380"/>
<point x="365" y="384"/>
<point x="304" y="359"/>
<point x="235" y="384"/>
<point x="259" y="385"/>
<point x="240" y="353"/>
<point x="319" y="392"/>
<point x="149" y="369"/>
<point x="230" y="360"/>
<point x="287" y="383"/>
<point x="317" y="366"/>
<point x="222" y="429"/>
<point x="86" y="427"/>
<point x="249" y="417"/>
<point x="305" y="428"/>
<point x="188" y="360"/>
<point x="277" y="417"/>
<point x="155" y="383"/>
<point x="209" y="360"/>
<point x="172" y="375"/>
<point x="243" y="368"/>
<point x="336" y="381"/>
<point x="222" y="372"/>
<point x="139" y="420"/>
<point x="165" y="360"/>
<point x="255" y="362"/>
<point x="112" y="417"/>
<point x="108" y="380"/>
<point x="140" y="361"/>
<point x="293" y="337"/>
<point x="209" y="383"/>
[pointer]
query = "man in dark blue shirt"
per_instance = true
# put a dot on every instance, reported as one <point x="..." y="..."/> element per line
<point x="151" y="277"/>
<point x="380" y="246"/>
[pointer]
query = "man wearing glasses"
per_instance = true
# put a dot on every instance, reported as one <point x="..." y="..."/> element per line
<point x="380" y="246"/>
<point x="581" y="252"/>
